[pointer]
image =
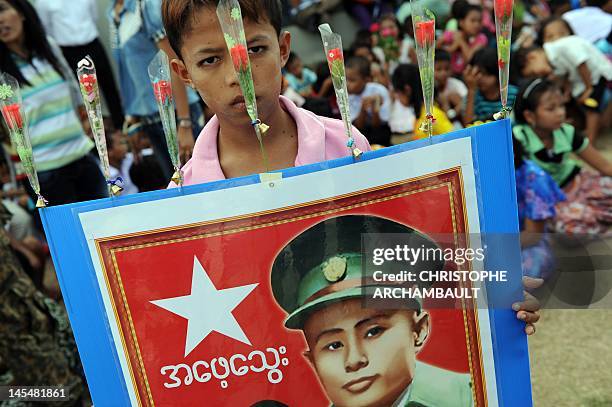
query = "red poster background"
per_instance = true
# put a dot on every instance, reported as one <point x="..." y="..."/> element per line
<point x="235" y="252"/>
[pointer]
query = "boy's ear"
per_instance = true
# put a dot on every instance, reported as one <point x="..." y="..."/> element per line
<point x="284" y="43"/>
<point x="179" y="68"/>
<point x="421" y="329"/>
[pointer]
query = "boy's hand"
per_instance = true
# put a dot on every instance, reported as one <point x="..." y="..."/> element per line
<point x="186" y="143"/>
<point x="471" y="76"/>
<point x="528" y="310"/>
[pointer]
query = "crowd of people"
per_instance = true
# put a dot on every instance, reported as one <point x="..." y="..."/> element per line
<point x="560" y="89"/>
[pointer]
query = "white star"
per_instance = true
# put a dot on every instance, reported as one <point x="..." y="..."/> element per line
<point x="207" y="309"/>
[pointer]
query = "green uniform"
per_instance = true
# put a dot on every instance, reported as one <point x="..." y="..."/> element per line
<point x="323" y="266"/>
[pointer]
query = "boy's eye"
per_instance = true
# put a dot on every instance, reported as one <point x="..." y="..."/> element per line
<point x="258" y="49"/>
<point x="374" y="332"/>
<point x="207" y="61"/>
<point x="333" y="346"/>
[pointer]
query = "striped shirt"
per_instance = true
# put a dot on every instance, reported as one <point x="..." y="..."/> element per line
<point x="55" y="130"/>
<point x="484" y="109"/>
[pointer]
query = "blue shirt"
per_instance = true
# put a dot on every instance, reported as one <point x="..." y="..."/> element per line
<point x="133" y="42"/>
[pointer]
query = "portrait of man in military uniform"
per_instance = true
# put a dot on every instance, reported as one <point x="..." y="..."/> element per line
<point x="362" y="356"/>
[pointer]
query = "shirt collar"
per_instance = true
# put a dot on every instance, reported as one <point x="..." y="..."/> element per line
<point x="311" y="142"/>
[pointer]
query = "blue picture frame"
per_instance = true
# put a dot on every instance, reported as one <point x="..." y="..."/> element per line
<point x="494" y="171"/>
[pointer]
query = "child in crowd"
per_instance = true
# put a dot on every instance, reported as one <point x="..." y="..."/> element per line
<point x="408" y="111"/>
<point x="120" y="161"/>
<point x="226" y="146"/>
<point x="299" y="77"/>
<point x="574" y="59"/>
<point x="482" y="80"/>
<point x="450" y="91"/>
<point x="369" y="102"/>
<point x="362" y="47"/>
<point x="536" y="194"/>
<point x="464" y="42"/>
<point x="548" y="141"/>
<point x="392" y="47"/>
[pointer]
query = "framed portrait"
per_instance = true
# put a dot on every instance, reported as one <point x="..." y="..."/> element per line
<point x="249" y="291"/>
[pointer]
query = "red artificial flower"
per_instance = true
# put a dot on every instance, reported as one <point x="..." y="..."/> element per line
<point x="503" y="8"/>
<point x="12" y="116"/>
<point x="425" y="33"/>
<point x="240" y="57"/>
<point x="374" y="28"/>
<point x="88" y="82"/>
<point x="334" y="55"/>
<point x="162" y="90"/>
<point x="501" y="63"/>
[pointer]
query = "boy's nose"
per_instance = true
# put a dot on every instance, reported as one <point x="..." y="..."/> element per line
<point x="356" y="358"/>
<point x="231" y="77"/>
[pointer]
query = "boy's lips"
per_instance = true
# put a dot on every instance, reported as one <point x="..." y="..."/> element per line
<point x="360" y="385"/>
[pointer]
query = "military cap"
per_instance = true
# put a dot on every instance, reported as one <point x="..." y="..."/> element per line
<point x="323" y="264"/>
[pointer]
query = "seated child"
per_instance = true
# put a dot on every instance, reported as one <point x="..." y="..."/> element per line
<point x="451" y="92"/>
<point x="120" y="161"/>
<point x="299" y="77"/>
<point x="408" y="102"/>
<point x="549" y="142"/>
<point x="482" y="80"/>
<point x="570" y="57"/>
<point x="392" y="47"/>
<point x="536" y="194"/>
<point x="464" y="42"/>
<point x="369" y="102"/>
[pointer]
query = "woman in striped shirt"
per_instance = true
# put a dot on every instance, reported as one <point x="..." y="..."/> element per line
<point x="67" y="170"/>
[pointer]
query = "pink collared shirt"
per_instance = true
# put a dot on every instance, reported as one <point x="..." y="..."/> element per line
<point x="319" y="139"/>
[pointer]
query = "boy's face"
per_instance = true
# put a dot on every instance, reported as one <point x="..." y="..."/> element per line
<point x="487" y="81"/>
<point x="355" y="82"/>
<point x="364" y="356"/>
<point x="555" y="30"/>
<point x="442" y="70"/>
<point x="537" y="65"/>
<point x="208" y="66"/>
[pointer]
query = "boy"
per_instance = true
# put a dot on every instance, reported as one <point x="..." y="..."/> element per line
<point x="450" y="91"/>
<point x="482" y="80"/>
<point x="227" y="147"/>
<point x="120" y="161"/>
<point x="362" y="356"/>
<point x="369" y="102"/>
<point x="586" y="68"/>
<point x="300" y="78"/>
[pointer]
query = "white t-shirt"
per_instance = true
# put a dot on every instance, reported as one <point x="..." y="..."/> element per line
<point x="124" y="172"/>
<point x="69" y="22"/>
<point x="454" y="85"/>
<point x="567" y="53"/>
<point x="402" y="118"/>
<point x="590" y="23"/>
<point x="371" y="89"/>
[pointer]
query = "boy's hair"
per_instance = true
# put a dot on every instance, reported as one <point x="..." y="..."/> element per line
<point x="363" y="38"/>
<point x="461" y="8"/>
<point x="408" y="75"/>
<point x="361" y="64"/>
<point x="442" y="55"/>
<point x="529" y="96"/>
<point x="519" y="62"/>
<point x="486" y="60"/>
<point x="177" y="16"/>
<point x="547" y="22"/>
